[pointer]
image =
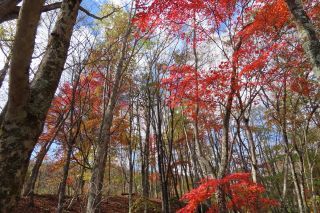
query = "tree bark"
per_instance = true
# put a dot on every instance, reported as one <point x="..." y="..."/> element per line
<point x="285" y="183"/>
<point x="15" y="143"/>
<point x="96" y="181"/>
<point x="161" y="155"/>
<point x="220" y="195"/>
<point x="8" y="6"/>
<point x="3" y="72"/>
<point x="29" y="186"/>
<point x="28" y="103"/>
<point x="130" y="149"/>
<point x="252" y="147"/>
<point x="146" y="152"/>
<point x="31" y="181"/>
<point x="308" y="33"/>
<point x="63" y="184"/>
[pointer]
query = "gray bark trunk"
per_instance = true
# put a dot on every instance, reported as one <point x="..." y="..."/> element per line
<point x="194" y="160"/>
<point x="15" y="142"/>
<point x="28" y="103"/>
<point x="252" y="148"/>
<point x="223" y="166"/>
<point x="285" y="182"/>
<point x="96" y="181"/>
<point x="296" y="185"/>
<point x="308" y="33"/>
<point x="146" y="152"/>
<point x="131" y="157"/>
<point x="63" y="184"/>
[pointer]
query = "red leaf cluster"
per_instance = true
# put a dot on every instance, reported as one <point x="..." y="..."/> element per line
<point x="242" y="194"/>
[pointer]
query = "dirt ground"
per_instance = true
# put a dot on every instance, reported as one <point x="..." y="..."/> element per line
<point x="48" y="204"/>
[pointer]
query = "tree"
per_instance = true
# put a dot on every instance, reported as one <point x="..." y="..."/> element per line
<point x="307" y="31"/>
<point x="28" y="103"/>
<point x="121" y="56"/>
<point x="243" y="194"/>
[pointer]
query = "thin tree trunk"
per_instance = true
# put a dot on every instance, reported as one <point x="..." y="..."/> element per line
<point x="74" y="130"/>
<point x="3" y="72"/>
<point x="145" y="178"/>
<point x="31" y="181"/>
<point x="285" y="183"/>
<point x="96" y="182"/>
<point x="157" y="126"/>
<point x="130" y="176"/>
<point x="131" y="158"/>
<point x="296" y="185"/>
<point x="220" y="194"/>
<point x="62" y="186"/>
<point x="78" y="189"/>
<point x="252" y="148"/>
<point x="145" y="167"/>
<point x="29" y="186"/>
<point x="194" y="160"/>
<point x="313" y="191"/>
<point x="287" y="149"/>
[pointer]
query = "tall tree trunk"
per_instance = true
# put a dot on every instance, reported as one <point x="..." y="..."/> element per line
<point x="29" y="186"/>
<point x="7" y="6"/>
<point x="28" y="189"/>
<point x="146" y="149"/>
<point x="283" y="124"/>
<point x="3" y="72"/>
<point x="197" y="172"/>
<point x="302" y="179"/>
<point x="130" y="176"/>
<point x="220" y="194"/>
<point x="131" y="157"/>
<point x="63" y="184"/>
<point x="285" y="183"/>
<point x="26" y="110"/>
<point x="308" y="33"/>
<point x="296" y="185"/>
<point x="252" y="148"/>
<point x="203" y="161"/>
<point x="161" y="155"/>
<point x="96" y="181"/>
<point x="312" y="186"/>
<point x="15" y="144"/>
<point x="74" y="130"/>
<point x="78" y="188"/>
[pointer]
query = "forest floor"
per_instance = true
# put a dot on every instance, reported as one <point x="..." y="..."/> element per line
<point x="48" y="204"/>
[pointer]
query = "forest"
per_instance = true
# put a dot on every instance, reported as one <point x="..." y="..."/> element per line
<point x="159" y="106"/>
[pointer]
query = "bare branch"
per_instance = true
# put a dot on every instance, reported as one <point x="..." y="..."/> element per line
<point x="14" y="13"/>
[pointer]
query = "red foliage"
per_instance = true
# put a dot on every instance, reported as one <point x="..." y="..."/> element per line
<point x="269" y="17"/>
<point x="243" y="194"/>
<point x="174" y="14"/>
